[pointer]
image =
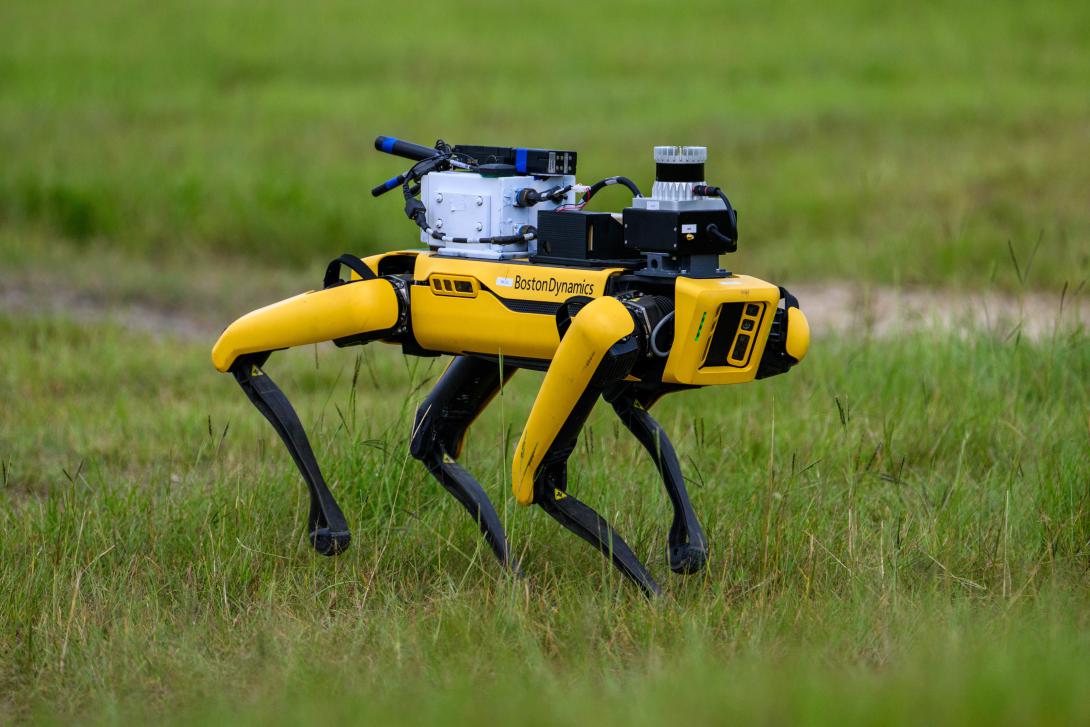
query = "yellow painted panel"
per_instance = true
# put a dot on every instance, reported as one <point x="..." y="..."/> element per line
<point x="321" y="315"/>
<point x="697" y="305"/>
<point x="481" y="323"/>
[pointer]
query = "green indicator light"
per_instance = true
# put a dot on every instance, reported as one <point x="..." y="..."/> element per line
<point x="700" y="327"/>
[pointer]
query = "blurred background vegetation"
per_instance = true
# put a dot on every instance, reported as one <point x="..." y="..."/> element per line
<point x="905" y="143"/>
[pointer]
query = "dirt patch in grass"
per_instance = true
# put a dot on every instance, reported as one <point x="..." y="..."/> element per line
<point x="844" y="307"/>
<point x="87" y="307"/>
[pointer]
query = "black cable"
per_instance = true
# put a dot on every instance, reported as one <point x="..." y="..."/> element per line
<point x="597" y="186"/>
<point x="713" y="230"/>
<point x="730" y="236"/>
<point x="557" y="195"/>
<point x="414" y="208"/>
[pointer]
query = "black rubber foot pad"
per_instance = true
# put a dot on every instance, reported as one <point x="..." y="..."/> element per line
<point x="687" y="559"/>
<point x="329" y="543"/>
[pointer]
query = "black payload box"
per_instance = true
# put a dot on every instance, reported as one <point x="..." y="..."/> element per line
<point x="679" y="232"/>
<point x="580" y="236"/>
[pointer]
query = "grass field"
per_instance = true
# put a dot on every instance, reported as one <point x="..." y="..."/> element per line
<point x="900" y="531"/>
<point x="900" y="527"/>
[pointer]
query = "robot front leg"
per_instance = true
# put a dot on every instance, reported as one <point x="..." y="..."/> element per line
<point x="688" y="545"/>
<point x="463" y="391"/>
<point x="362" y="309"/>
<point x="597" y="351"/>
<point x="326" y="526"/>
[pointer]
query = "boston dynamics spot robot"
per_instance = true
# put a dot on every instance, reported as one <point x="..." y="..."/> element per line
<point x="518" y="275"/>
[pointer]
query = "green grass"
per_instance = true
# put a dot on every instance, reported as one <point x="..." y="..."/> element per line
<point x="899" y="531"/>
<point x="904" y="144"/>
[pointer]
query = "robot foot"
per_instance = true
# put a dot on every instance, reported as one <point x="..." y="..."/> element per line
<point x="326" y="525"/>
<point x="462" y="393"/>
<point x="582" y="520"/>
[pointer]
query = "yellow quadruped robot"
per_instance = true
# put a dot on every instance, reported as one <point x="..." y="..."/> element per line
<point x="518" y="274"/>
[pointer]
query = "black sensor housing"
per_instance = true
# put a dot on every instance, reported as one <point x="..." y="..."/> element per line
<point x="546" y="162"/>
<point x="677" y="232"/>
<point x="580" y="237"/>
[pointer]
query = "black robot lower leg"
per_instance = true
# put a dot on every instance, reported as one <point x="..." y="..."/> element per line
<point x="688" y="546"/>
<point x="326" y="525"/>
<point x="551" y="483"/>
<point x="463" y="391"/>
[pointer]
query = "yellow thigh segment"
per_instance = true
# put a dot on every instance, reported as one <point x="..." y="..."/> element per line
<point x="596" y="327"/>
<point x="321" y="315"/>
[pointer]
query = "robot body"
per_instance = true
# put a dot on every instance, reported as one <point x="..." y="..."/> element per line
<point x="614" y="323"/>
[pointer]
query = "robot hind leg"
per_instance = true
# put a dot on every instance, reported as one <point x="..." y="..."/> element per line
<point x="688" y="549"/>
<point x="463" y="391"/>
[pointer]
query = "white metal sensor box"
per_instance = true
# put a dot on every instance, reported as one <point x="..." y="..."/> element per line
<point x="471" y="206"/>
